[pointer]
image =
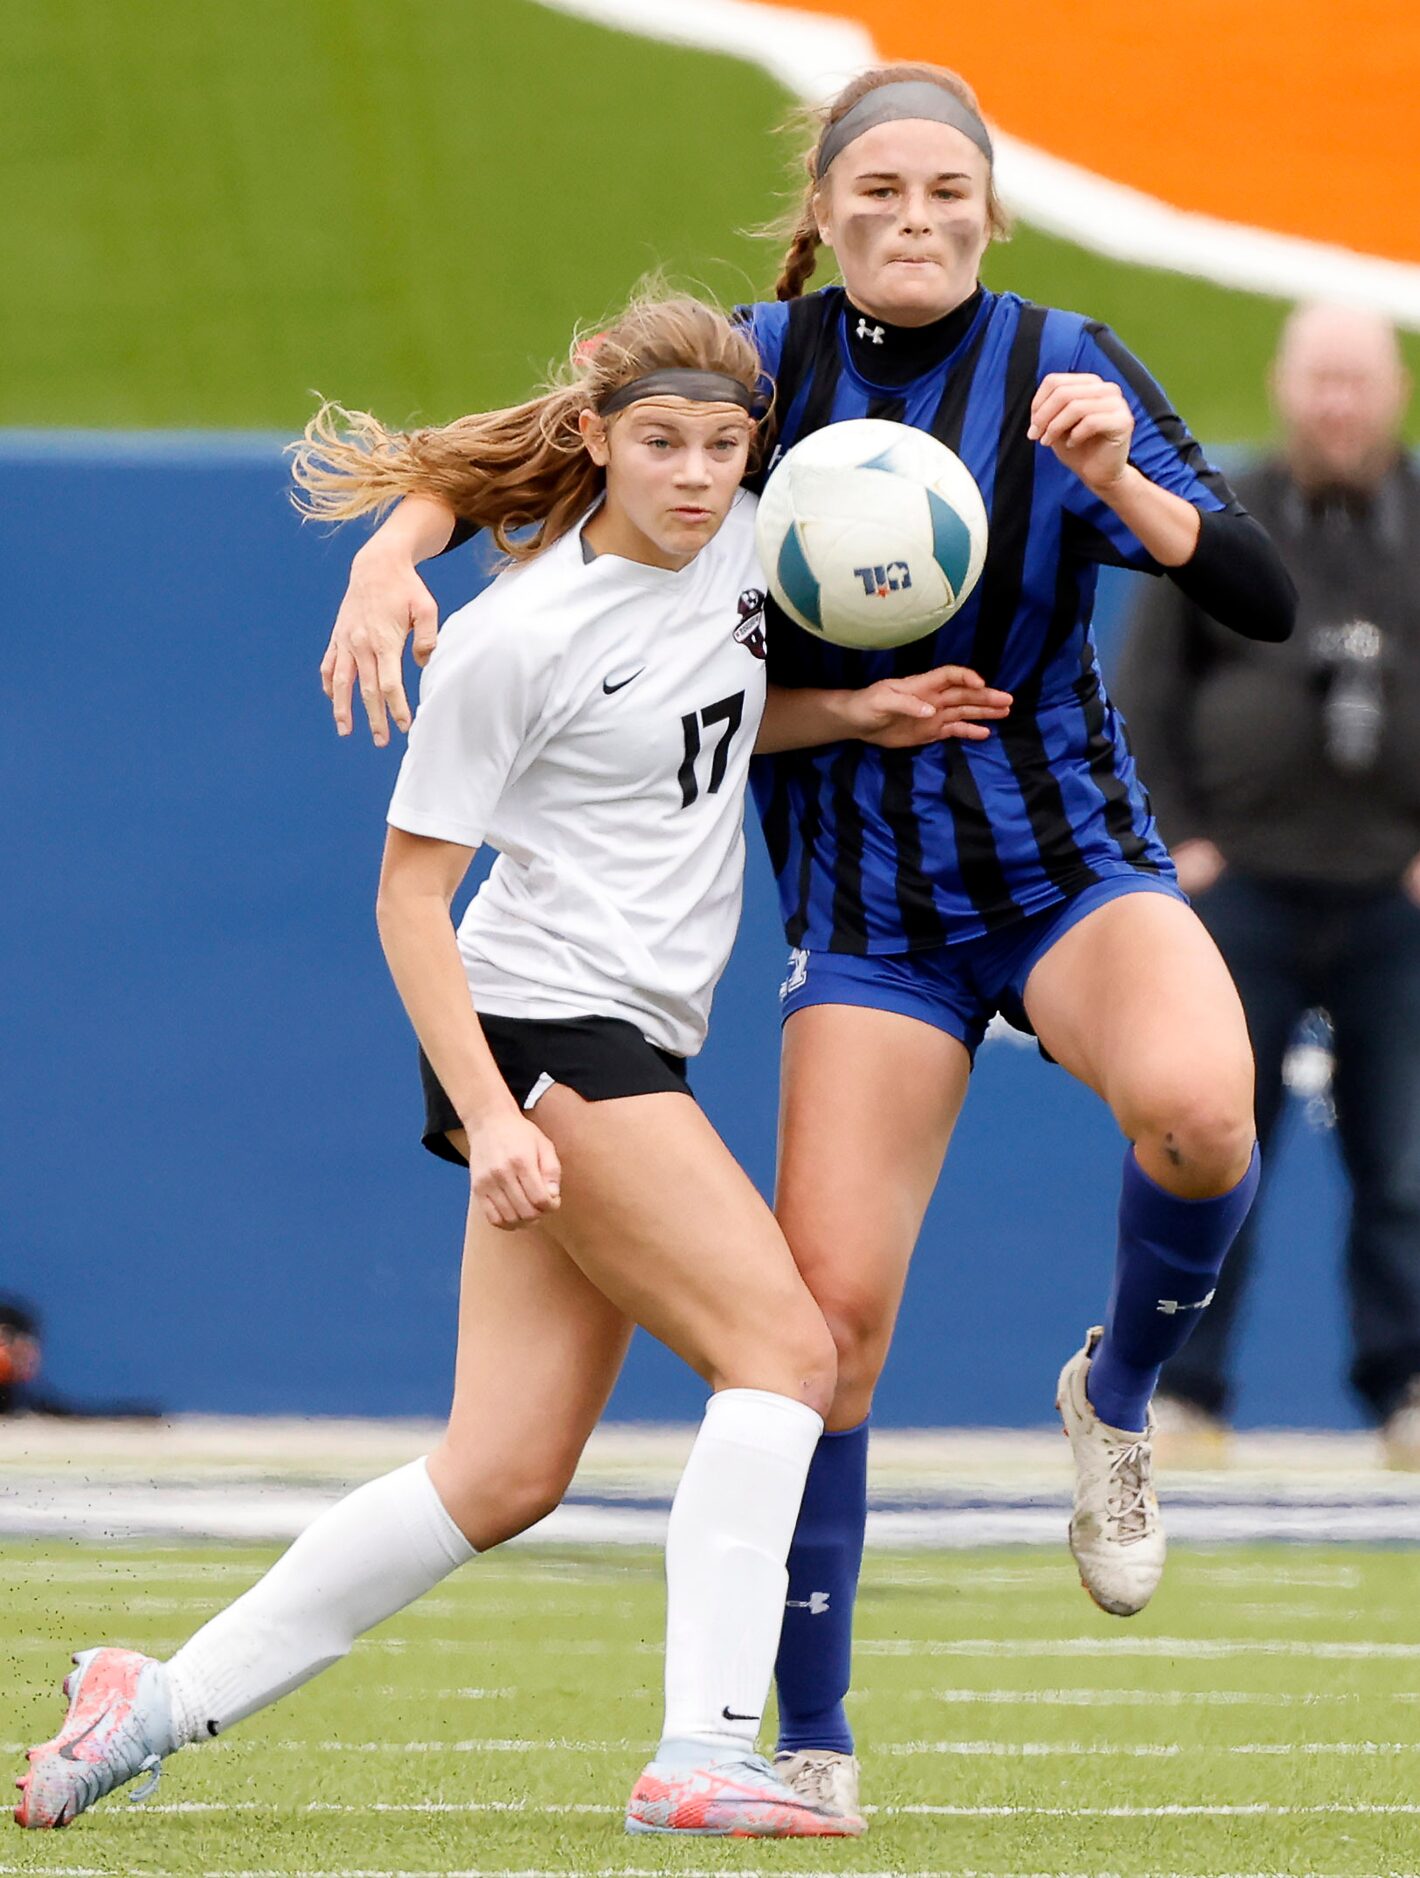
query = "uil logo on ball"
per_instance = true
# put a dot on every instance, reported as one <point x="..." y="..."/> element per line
<point x="885" y="580"/>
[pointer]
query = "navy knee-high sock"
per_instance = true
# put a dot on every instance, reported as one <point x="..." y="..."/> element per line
<point x="816" y="1644"/>
<point x="1170" y="1254"/>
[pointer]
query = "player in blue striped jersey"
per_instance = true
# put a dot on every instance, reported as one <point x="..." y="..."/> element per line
<point x="925" y="888"/>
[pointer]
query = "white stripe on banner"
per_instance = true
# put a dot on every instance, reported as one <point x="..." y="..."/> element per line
<point x="812" y="54"/>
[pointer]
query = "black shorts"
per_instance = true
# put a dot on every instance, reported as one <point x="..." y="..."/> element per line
<point x="599" y="1058"/>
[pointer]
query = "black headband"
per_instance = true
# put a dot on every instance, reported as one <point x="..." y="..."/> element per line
<point x="915" y="97"/>
<point x="680" y="381"/>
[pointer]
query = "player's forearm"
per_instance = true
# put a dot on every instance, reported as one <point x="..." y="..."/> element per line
<point x="1166" y="524"/>
<point x="423" y="956"/>
<point x="801" y="718"/>
<point x="417" y="529"/>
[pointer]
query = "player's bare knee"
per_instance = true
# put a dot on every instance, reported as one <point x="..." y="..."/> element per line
<point x="860" y="1336"/>
<point x="1207" y="1136"/>
<point x="493" y="1497"/>
<point x="793" y="1355"/>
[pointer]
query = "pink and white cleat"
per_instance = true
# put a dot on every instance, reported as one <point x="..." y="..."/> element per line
<point x="737" y="1798"/>
<point x="119" y="1725"/>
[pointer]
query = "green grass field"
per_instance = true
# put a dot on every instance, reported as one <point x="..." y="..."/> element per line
<point x="408" y="205"/>
<point x="1262" y="1717"/>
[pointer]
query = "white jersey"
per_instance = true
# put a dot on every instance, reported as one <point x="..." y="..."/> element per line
<point x="593" y="721"/>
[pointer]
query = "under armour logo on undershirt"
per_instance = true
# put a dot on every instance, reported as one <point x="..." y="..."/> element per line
<point x="864" y="331"/>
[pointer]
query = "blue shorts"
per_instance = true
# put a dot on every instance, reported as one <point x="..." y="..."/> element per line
<point x="958" y="988"/>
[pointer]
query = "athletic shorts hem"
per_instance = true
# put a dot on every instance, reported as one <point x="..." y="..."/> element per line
<point x="870" y="997"/>
<point x="957" y="988"/>
<point x="601" y="1059"/>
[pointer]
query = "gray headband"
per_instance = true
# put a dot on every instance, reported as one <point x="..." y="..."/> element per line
<point x="915" y="97"/>
<point x="679" y="381"/>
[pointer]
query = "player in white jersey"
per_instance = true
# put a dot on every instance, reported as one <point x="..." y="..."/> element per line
<point x="591" y="716"/>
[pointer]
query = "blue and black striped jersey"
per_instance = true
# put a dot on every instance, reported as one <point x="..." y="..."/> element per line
<point x="880" y="851"/>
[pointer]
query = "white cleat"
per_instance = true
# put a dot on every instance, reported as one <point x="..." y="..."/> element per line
<point x="739" y="1797"/>
<point x="119" y="1725"/>
<point x="822" y="1776"/>
<point x="1116" y="1534"/>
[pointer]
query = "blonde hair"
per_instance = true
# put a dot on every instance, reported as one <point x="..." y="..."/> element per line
<point x="524" y="468"/>
<point x="802" y="227"/>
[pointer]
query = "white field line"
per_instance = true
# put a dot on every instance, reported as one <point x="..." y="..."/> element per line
<point x="404" y="1692"/>
<point x="1030" y="1749"/>
<point x="630" y="1871"/>
<point x="1260" y="1809"/>
<point x="1137" y="1698"/>
<point x="1199" y="1647"/>
<point x="812" y="54"/>
<point x="620" y="1871"/>
<point x="1042" y="1573"/>
<point x="967" y="1750"/>
<point x="635" y="1871"/>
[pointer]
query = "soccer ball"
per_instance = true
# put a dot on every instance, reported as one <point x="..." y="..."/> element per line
<point x="870" y="533"/>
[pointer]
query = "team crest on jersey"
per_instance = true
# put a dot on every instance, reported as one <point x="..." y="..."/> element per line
<point x="882" y="581"/>
<point x="750" y="631"/>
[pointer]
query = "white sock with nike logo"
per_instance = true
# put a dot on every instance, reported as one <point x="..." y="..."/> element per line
<point x="372" y="1553"/>
<point x="730" y="1527"/>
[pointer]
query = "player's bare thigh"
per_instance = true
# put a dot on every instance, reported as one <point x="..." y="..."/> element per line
<point x="665" y="1223"/>
<point x="868" y="1101"/>
<point x="1136" y="1002"/>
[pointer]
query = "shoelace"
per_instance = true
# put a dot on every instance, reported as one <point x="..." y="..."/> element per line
<point x="818" y="1776"/>
<point x="153" y="1768"/>
<point x="1129" y="1507"/>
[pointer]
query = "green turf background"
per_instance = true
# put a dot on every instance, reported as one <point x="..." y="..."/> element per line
<point x="407" y="204"/>
<point x="1258" y="1718"/>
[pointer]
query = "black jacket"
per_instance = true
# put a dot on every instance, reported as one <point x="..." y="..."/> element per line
<point x="1300" y="760"/>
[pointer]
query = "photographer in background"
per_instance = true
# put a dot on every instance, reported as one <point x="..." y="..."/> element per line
<point x="1286" y="780"/>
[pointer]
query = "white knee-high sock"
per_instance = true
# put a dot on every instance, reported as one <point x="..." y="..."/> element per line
<point x="730" y="1527"/>
<point x="366" y="1558"/>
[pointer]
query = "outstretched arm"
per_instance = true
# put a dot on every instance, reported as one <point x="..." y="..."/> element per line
<point x="513" y="1167"/>
<point x="384" y="600"/>
<point x="897" y="713"/>
<point x="1195" y="532"/>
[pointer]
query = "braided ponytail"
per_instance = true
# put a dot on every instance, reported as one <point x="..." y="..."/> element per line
<point x="801" y="259"/>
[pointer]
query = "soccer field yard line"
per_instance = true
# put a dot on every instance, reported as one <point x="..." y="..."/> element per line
<point x="967" y="1750"/>
<point x="1135" y="1698"/>
<point x="630" y="1871"/>
<point x="924" y="1809"/>
<point x="1129" y="1646"/>
<point x="655" y="1871"/>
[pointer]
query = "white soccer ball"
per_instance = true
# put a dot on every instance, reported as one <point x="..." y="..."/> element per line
<point x="871" y="533"/>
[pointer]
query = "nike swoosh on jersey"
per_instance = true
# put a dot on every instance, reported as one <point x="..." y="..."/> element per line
<point x="614" y="682"/>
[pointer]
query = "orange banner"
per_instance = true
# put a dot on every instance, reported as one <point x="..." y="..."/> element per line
<point x="1304" y="118"/>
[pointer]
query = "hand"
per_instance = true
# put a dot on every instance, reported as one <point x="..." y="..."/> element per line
<point x="514" y="1170"/>
<point x="1410" y="881"/>
<point x="1199" y="865"/>
<point x="927" y="707"/>
<point x="384" y="599"/>
<point x="1087" y="422"/>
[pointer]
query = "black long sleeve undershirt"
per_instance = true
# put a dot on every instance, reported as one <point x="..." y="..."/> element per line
<point x="1236" y="576"/>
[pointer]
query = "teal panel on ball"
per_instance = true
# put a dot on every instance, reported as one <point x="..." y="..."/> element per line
<point x="884" y="461"/>
<point x="951" y="541"/>
<point x="796" y="578"/>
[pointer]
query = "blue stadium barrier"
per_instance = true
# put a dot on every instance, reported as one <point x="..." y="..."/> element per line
<point x="212" y="1182"/>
